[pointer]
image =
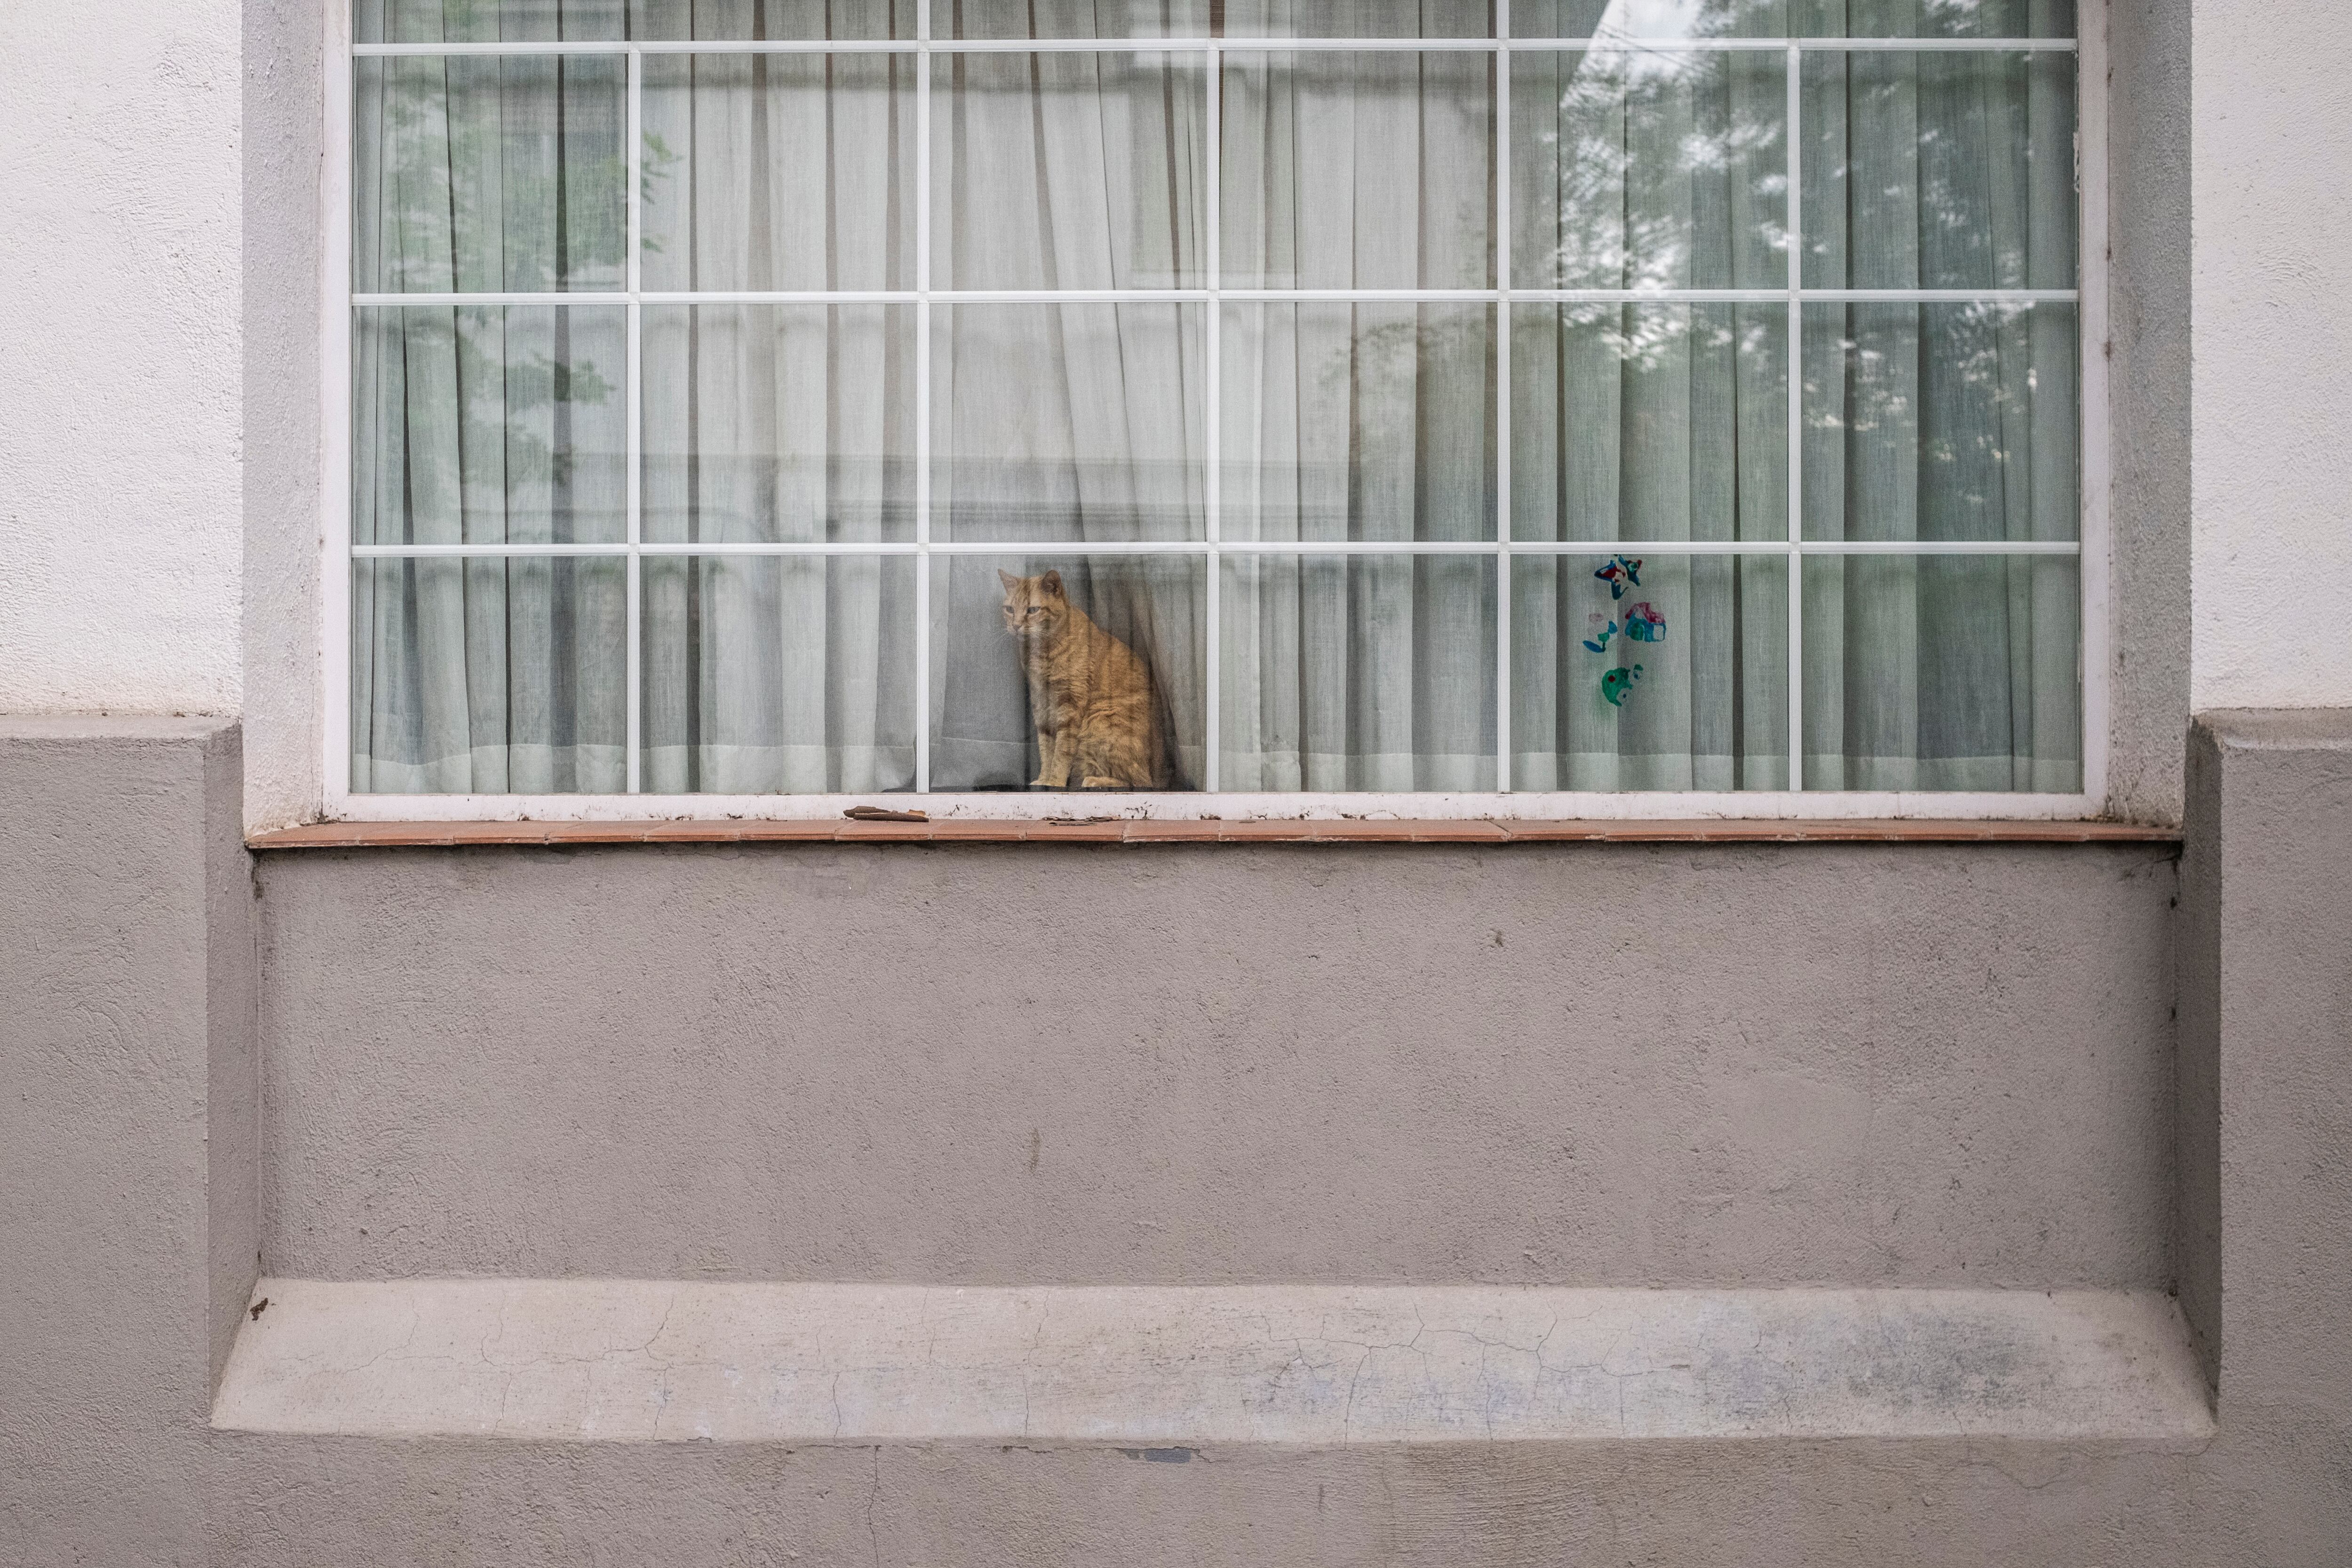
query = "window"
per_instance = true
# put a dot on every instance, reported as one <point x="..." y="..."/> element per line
<point x="1557" y="398"/>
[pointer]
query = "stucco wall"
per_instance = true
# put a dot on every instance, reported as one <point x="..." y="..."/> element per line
<point x="1767" y="1053"/>
<point x="2272" y="484"/>
<point x="284" y="255"/>
<point x="2265" y="1102"/>
<point x="120" y="167"/>
<point x="161" y="338"/>
<point x="1706" y="1065"/>
<point x="2149" y="434"/>
<point x="161" y="166"/>
<point x="129" y="1185"/>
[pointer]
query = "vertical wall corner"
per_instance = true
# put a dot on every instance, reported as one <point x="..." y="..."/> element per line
<point x="2196" y="1171"/>
<point x="232" y="1056"/>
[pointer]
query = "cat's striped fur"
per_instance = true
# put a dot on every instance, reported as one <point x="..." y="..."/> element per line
<point x="1092" y="699"/>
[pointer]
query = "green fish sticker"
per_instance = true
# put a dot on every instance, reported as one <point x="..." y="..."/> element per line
<point x="1617" y="685"/>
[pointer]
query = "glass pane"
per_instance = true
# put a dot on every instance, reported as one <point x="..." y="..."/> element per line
<point x="489" y="424"/>
<point x="1356" y="422"/>
<point x="1933" y="18"/>
<point x="1068" y="423"/>
<point x="490" y="677"/>
<point x="1644" y="170"/>
<point x="482" y="173"/>
<point x="1944" y="673"/>
<point x="1359" y="171"/>
<point x="768" y="422"/>
<point x="488" y="21"/>
<point x="1359" y="19"/>
<point x="1942" y="421"/>
<point x="779" y="171"/>
<point x="1358" y="672"/>
<point x="1649" y="422"/>
<point x="1657" y="673"/>
<point x="1068" y="170"/>
<point x="1793" y="18"/>
<point x="778" y="19"/>
<point x="1072" y="19"/>
<point x="779" y="674"/>
<point x="1939" y="170"/>
<point x="1649" y="18"/>
<point x="1052" y="669"/>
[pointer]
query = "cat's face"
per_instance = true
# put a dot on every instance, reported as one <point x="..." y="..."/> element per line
<point x="1034" y="606"/>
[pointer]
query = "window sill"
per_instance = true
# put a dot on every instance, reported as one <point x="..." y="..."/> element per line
<point x="965" y="831"/>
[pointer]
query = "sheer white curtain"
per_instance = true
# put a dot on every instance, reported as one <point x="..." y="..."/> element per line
<point x="1359" y="422"/>
<point x="778" y="424"/>
<point x="488" y="426"/>
<point x="1059" y="425"/>
<point x="1649" y="422"/>
<point x="1922" y="422"/>
<point x="1942" y="421"/>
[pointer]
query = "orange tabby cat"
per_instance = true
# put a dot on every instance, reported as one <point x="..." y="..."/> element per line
<point x="1096" y="709"/>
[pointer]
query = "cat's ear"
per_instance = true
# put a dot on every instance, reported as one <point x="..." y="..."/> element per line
<point x="1051" y="583"/>
<point x="1010" y="581"/>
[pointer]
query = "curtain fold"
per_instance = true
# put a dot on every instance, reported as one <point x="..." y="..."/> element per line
<point x="1649" y="422"/>
<point x="1359" y="422"/>
<point x="490" y="426"/>
<point x="1941" y="422"/>
<point x="1059" y="425"/>
<point x="778" y="424"/>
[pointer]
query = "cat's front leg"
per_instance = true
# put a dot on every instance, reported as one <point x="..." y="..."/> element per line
<point x="1054" y="753"/>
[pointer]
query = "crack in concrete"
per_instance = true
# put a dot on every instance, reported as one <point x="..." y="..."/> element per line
<point x="873" y="1496"/>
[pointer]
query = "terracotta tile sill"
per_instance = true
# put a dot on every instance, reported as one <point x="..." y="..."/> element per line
<point x="450" y="836"/>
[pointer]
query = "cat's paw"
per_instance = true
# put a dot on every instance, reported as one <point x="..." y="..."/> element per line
<point x="1096" y="781"/>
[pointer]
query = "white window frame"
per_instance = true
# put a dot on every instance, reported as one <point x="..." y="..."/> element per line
<point x="2093" y="546"/>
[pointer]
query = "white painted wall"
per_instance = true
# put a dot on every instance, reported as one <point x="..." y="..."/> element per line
<point x="119" y="338"/>
<point x="123" y="405"/>
<point x="2272" y="400"/>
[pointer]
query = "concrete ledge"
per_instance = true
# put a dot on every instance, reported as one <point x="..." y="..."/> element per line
<point x="1176" y="1369"/>
<point x="1211" y="831"/>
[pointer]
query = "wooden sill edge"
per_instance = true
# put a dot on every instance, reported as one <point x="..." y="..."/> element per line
<point x="965" y="831"/>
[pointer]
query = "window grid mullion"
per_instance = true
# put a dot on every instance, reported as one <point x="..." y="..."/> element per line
<point x="634" y="617"/>
<point x="1502" y="329"/>
<point x="923" y="398"/>
<point x="1793" y="131"/>
<point x="924" y="44"/>
<point x="1238" y="547"/>
<point x="1270" y="296"/>
<point x="1213" y="438"/>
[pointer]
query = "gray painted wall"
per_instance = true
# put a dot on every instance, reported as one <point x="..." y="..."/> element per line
<point x="129" y="1198"/>
<point x="1909" y="1064"/>
<point x="1931" y="1032"/>
<point x="296" y="1503"/>
<point x="2197" y="1147"/>
<point x="2266" y="1126"/>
